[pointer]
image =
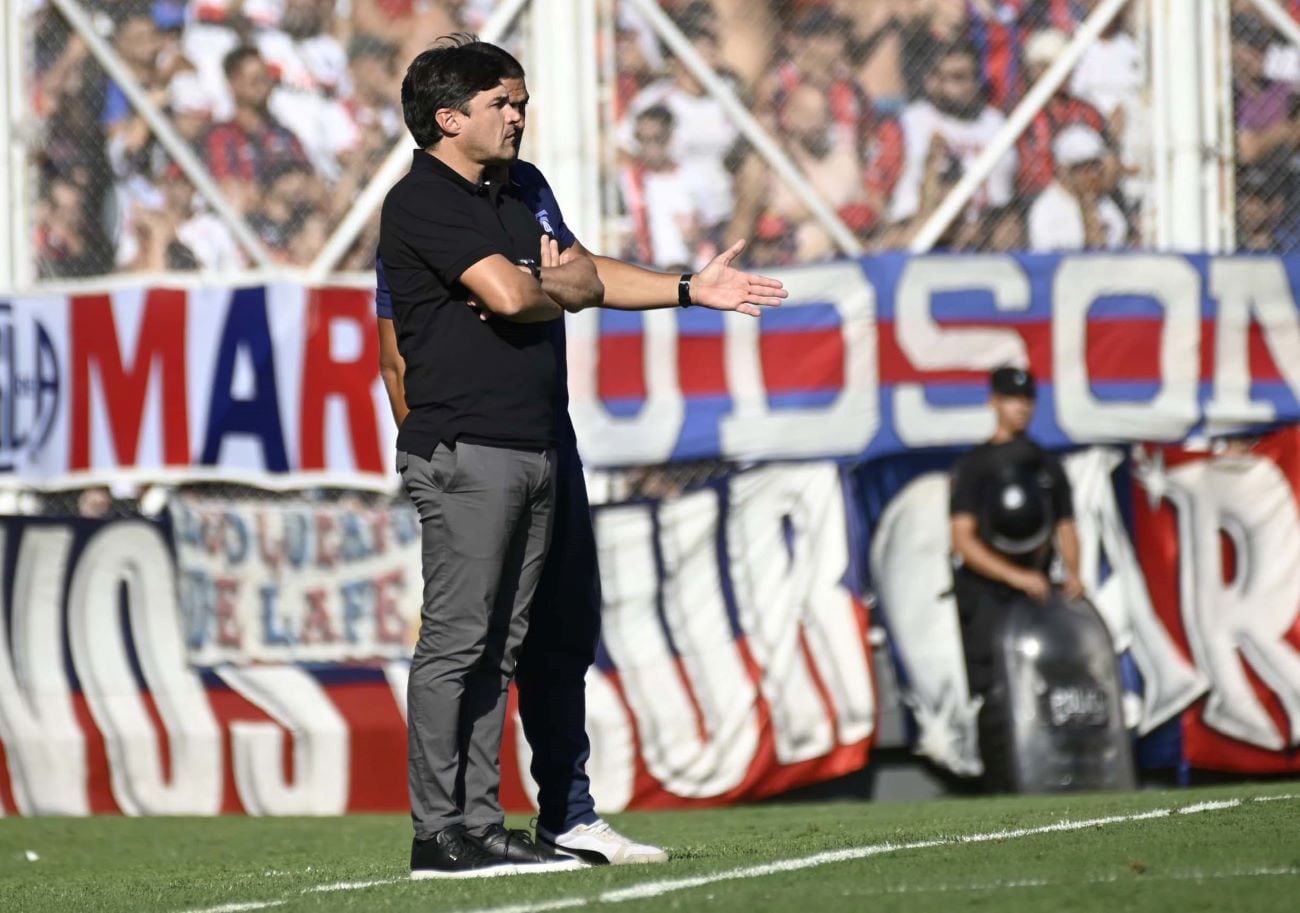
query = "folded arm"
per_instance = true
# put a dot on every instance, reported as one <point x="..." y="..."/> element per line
<point x="506" y="291"/>
<point x="570" y="278"/>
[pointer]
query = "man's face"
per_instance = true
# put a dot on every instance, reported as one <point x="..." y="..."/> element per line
<point x="374" y="76"/>
<point x="303" y="18"/>
<point x="821" y="51"/>
<point x="493" y="129"/>
<point x="1258" y="213"/>
<point x="1014" y="413"/>
<point x="138" y="41"/>
<point x="518" y="91"/>
<point x="954" y="87"/>
<point x="251" y="84"/>
<point x="805" y="119"/>
<point x="652" y="138"/>
<point x="1247" y="62"/>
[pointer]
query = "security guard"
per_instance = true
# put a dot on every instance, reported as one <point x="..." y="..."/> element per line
<point x="1010" y="513"/>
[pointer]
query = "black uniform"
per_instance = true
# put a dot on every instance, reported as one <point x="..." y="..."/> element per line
<point x="976" y="478"/>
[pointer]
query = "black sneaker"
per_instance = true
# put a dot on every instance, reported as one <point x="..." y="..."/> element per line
<point x="518" y="849"/>
<point x="453" y="853"/>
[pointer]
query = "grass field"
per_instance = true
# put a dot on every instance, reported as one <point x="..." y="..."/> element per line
<point x="1227" y="848"/>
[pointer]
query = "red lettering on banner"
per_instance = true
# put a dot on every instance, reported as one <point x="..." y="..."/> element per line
<point x="378" y="521"/>
<point x="327" y="543"/>
<point x="227" y="593"/>
<point x="126" y="387"/>
<point x="316" y="626"/>
<point x="802" y="361"/>
<point x="390" y="627"/>
<point x="620" y="369"/>
<point x="271" y="553"/>
<point x="353" y="380"/>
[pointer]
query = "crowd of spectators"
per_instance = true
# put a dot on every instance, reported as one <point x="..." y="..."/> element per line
<point x="882" y="106"/>
<point x="290" y="105"/>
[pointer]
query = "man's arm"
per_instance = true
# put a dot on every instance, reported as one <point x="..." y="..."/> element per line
<point x="508" y="292"/>
<point x="718" y="286"/>
<point x="983" y="560"/>
<point x="392" y="367"/>
<point x="570" y="279"/>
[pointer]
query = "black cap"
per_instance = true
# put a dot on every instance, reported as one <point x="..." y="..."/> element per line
<point x="1009" y="381"/>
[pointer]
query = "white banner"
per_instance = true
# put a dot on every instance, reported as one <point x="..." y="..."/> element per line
<point x="278" y="582"/>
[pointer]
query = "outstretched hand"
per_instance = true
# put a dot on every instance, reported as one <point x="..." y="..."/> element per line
<point x="722" y="287"/>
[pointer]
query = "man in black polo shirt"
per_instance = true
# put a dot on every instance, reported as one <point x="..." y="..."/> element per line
<point x="476" y="452"/>
<point x="1010" y="512"/>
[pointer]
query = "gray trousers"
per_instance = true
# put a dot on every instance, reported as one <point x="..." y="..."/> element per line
<point x="485" y="519"/>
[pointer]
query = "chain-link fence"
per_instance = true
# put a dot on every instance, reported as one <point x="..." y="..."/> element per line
<point x="878" y="107"/>
<point x="289" y="105"/>
<point x="1265" y="64"/>
<point x="882" y="107"/>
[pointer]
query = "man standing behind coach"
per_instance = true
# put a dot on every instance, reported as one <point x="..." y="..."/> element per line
<point x="476" y="452"/>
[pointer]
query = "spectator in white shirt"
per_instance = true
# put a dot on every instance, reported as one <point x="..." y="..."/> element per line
<point x="658" y="198"/>
<point x="313" y="83"/>
<point x="700" y="151"/>
<point x="955" y="110"/>
<point x="1074" y="212"/>
<point x="1111" y="76"/>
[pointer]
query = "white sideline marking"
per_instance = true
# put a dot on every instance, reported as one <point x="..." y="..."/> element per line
<point x="1193" y="875"/>
<point x="659" y="888"/>
<point x="239" y="907"/>
<point x="351" y="885"/>
<point x="1209" y="806"/>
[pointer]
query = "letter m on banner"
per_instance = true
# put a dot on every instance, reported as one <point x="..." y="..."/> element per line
<point x="113" y="381"/>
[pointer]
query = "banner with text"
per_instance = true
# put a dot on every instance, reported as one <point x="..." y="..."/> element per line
<point x="283" y="582"/>
<point x="866" y="359"/>
<point x="723" y="675"/>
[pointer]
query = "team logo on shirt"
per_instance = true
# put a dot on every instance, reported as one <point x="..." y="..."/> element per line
<point x="545" y="219"/>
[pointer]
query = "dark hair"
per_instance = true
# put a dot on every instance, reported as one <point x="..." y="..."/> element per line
<point x="366" y="45"/>
<point x="449" y="75"/>
<point x="659" y="113"/>
<point x="231" y="63"/>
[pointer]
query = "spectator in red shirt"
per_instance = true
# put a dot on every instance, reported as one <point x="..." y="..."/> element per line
<point x="240" y="152"/>
<point x="1062" y="110"/>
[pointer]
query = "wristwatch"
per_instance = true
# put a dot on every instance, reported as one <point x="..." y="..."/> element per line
<point x="532" y="267"/>
<point x="684" y="290"/>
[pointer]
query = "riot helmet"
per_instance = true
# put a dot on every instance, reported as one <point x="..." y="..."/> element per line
<point x="1017" y="517"/>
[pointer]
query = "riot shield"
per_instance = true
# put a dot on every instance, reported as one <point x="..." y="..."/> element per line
<point x="1054" y="721"/>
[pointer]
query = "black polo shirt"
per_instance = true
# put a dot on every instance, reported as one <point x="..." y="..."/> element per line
<point x="975" y="471"/>
<point x="484" y="382"/>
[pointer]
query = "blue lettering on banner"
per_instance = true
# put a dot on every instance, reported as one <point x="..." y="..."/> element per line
<point x="247" y="329"/>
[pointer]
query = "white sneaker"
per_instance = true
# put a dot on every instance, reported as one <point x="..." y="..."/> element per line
<point x="600" y="844"/>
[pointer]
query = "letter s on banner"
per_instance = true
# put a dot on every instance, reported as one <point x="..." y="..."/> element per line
<point x="297" y="702"/>
<point x="1175" y="284"/>
<point x="45" y="746"/>
<point x="931" y="347"/>
<point x="133" y="553"/>
<point x="845" y="426"/>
